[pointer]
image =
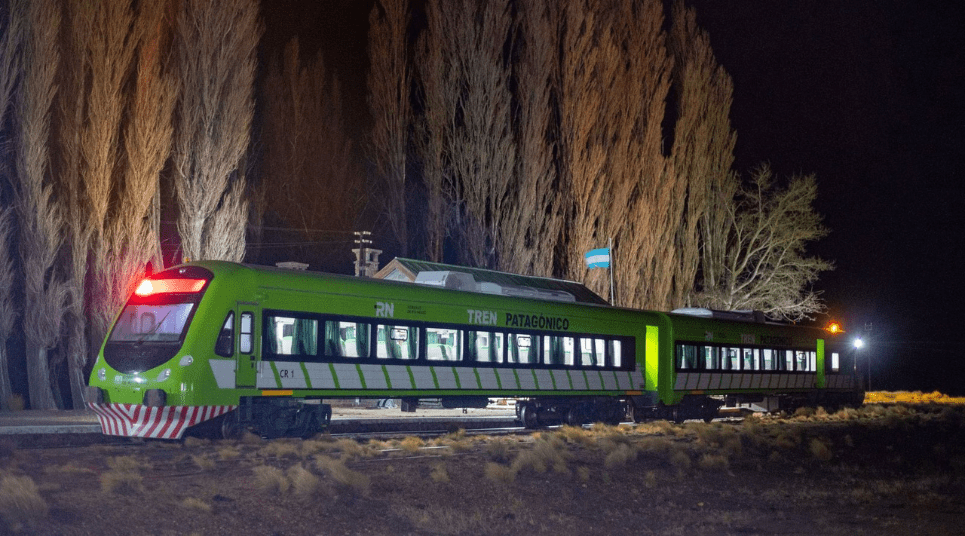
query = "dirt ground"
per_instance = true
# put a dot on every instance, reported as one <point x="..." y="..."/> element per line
<point x="881" y="469"/>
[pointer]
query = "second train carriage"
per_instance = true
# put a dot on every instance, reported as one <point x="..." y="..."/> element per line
<point x="262" y="348"/>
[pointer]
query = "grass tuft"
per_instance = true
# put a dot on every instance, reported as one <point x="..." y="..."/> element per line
<point x="548" y="451"/>
<point x="192" y="503"/>
<point x="20" y="500"/>
<point x="121" y="482"/>
<point x="337" y="470"/>
<point x="203" y="462"/>
<point x="412" y="444"/>
<point x="439" y="473"/>
<point x="620" y="456"/>
<point x="303" y="482"/>
<point x="820" y="450"/>
<point x="271" y="479"/>
<point x="713" y="462"/>
<point x="496" y="472"/>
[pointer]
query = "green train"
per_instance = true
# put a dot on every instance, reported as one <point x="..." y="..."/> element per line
<point x="259" y="348"/>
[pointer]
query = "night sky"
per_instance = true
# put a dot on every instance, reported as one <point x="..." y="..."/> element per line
<point x="867" y="95"/>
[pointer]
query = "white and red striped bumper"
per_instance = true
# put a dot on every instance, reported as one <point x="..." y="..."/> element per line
<point x="138" y="420"/>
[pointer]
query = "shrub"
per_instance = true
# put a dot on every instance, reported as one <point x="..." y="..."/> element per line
<point x="20" y="500"/>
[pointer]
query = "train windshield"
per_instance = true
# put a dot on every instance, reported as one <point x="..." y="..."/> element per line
<point x="153" y="324"/>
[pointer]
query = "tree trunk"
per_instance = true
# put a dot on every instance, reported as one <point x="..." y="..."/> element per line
<point x="38" y="377"/>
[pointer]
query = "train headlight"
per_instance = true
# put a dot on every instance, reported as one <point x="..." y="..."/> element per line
<point x="186" y="360"/>
<point x="165" y="374"/>
<point x="858" y="343"/>
<point x="102" y="374"/>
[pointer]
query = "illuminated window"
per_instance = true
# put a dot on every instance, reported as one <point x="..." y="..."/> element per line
<point x="835" y="362"/>
<point x="245" y="342"/>
<point x="443" y="344"/>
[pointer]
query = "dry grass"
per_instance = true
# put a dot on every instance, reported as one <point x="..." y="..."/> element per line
<point x="498" y="449"/>
<point x="336" y="469"/>
<point x="713" y="462"/>
<point x="124" y="475"/>
<point x="412" y="444"/>
<point x="304" y="483"/>
<point x="121" y="482"/>
<point x="192" y="503"/>
<point x="620" y="456"/>
<point x="68" y="469"/>
<point x="20" y="500"/>
<point x="271" y="479"/>
<point x="203" y="462"/>
<point x="280" y="448"/>
<point x="496" y="472"/>
<point x="228" y="452"/>
<point x="439" y="473"/>
<point x="548" y="451"/>
<point x="820" y="449"/>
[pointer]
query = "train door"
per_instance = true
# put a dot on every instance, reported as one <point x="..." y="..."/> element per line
<point x="249" y="351"/>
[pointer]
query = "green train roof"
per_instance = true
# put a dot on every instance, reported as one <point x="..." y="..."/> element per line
<point x="409" y="269"/>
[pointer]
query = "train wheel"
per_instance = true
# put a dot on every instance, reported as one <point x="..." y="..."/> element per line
<point x="529" y="416"/>
<point x="574" y="417"/>
<point x="230" y="426"/>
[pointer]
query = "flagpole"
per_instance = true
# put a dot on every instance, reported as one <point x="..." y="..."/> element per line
<point x="612" y="300"/>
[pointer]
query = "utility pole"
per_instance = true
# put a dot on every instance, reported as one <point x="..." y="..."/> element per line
<point x="366" y="258"/>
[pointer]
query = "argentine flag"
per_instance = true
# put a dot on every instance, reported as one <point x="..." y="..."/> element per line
<point x="598" y="258"/>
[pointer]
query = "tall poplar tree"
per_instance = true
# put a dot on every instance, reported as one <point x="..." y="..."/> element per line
<point x="216" y="44"/>
<point x="390" y="82"/>
<point x="11" y="36"/>
<point x="40" y="218"/>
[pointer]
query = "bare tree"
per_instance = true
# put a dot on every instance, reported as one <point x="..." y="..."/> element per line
<point x="308" y="149"/>
<point x="584" y="72"/>
<point x="133" y="233"/>
<point x="703" y="148"/>
<point x="534" y="216"/>
<point x="72" y="99"/>
<point x="11" y="35"/>
<point x="216" y="45"/>
<point x="149" y="135"/>
<point x="439" y="93"/>
<point x="763" y="265"/>
<point x="613" y="83"/>
<point x="41" y="220"/>
<point x="483" y="152"/>
<point x="390" y="80"/>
